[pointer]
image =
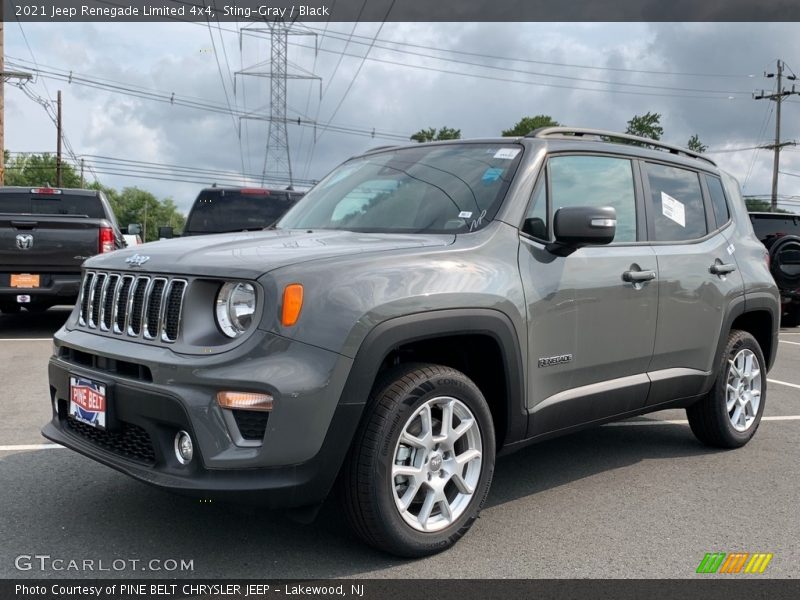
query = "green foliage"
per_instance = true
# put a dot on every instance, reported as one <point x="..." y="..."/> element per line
<point x="432" y="135"/>
<point x="760" y="205"/>
<point x="695" y="144"/>
<point x="30" y="170"/>
<point x="647" y="125"/>
<point x="528" y="124"/>
<point x="134" y="205"/>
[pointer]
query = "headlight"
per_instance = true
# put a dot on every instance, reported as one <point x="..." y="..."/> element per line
<point x="235" y="306"/>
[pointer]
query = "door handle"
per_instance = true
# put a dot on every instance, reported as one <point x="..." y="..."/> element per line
<point x="638" y="276"/>
<point x="722" y="268"/>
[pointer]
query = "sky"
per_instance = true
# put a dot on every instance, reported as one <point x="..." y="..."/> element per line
<point x="699" y="76"/>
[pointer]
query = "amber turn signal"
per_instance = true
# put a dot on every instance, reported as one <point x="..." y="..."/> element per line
<point x="292" y="304"/>
<point x="245" y="400"/>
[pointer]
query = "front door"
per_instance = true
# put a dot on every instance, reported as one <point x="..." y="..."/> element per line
<point x="592" y="314"/>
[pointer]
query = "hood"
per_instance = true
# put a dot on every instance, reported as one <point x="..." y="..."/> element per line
<point x="249" y="255"/>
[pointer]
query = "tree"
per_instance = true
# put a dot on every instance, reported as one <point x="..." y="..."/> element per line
<point x="528" y="124"/>
<point x="646" y="125"/>
<point x="432" y="135"/>
<point x="695" y="144"/>
<point x="133" y="205"/>
<point x="29" y="170"/>
<point x="757" y="205"/>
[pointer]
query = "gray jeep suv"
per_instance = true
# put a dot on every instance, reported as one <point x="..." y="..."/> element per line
<point x="420" y="310"/>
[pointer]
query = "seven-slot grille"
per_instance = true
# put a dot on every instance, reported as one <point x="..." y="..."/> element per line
<point x="143" y="306"/>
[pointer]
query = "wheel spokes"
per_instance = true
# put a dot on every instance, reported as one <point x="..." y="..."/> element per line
<point x="427" y="508"/>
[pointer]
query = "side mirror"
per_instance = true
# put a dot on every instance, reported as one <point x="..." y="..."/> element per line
<point x="165" y="233"/>
<point x="134" y="229"/>
<point x="578" y="226"/>
<point x="581" y="225"/>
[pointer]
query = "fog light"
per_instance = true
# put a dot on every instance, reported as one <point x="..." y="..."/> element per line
<point x="184" y="449"/>
<point x="245" y="400"/>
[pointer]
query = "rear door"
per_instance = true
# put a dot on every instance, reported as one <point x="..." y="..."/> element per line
<point x="48" y="232"/>
<point x="698" y="275"/>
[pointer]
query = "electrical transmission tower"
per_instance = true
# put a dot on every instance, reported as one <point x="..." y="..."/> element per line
<point x="777" y="97"/>
<point x="277" y="158"/>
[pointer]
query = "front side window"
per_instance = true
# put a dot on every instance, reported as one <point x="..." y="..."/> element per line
<point x="454" y="188"/>
<point x="596" y="181"/>
<point x="676" y="202"/>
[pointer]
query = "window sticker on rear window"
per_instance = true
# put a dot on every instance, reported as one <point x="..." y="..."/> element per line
<point x="506" y="153"/>
<point x="673" y="209"/>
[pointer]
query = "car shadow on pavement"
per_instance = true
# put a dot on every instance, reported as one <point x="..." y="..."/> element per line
<point x="26" y="324"/>
<point x="58" y="503"/>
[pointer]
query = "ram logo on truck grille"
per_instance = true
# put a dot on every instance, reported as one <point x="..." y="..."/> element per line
<point x="24" y="241"/>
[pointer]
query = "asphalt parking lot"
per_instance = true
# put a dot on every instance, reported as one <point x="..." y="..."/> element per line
<point x="637" y="499"/>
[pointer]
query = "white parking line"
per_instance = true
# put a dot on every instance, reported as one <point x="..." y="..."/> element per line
<point x="788" y="342"/>
<point x="685" y="422"/>
<point x="787" y="384"/>
<point x="29" y="447"/>
<point x="26" y="339"/>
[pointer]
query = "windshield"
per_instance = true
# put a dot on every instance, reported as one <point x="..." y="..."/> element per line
<point x="452" y="188"/>
<point x="218" y="211"/>
<point x="52" y="204"/>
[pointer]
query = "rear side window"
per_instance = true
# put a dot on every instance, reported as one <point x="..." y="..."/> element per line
<point x="596" y="181"/>
<point x="718" y="202"/>
<point x="219" y="211"/>
<point x="676" y="203"/>
<point x="53" y="204"/>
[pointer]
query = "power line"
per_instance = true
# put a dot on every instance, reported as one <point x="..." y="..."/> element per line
<point x="333" y="34"/>
<point x="507" y="69"/>
<point x="777" y="97"/>
<point x="173" y="99"/>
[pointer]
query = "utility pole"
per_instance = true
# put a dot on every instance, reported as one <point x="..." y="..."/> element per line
<point x="82" y="180"/>
<point x="777" y="97"/>
<point x="5" y="76"/>
<point x="58" y="142"/>
<point x="277" y="159"/>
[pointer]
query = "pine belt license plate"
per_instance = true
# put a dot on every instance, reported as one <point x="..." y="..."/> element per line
<point x="87" y="401"/>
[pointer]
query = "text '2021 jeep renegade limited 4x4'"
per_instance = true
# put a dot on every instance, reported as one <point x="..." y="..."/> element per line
<point x="421" y="309"/>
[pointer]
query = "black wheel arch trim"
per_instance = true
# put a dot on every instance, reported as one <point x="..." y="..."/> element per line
<point x="395" y="332"/>
<point x="766" y="302"/>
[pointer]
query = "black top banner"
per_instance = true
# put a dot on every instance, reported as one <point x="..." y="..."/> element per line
<point x="400" y="10"/>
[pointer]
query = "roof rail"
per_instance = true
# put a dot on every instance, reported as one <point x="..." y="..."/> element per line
<point x="567" y="132"/>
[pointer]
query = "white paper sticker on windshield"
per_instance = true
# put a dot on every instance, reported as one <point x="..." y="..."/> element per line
<point x="507" y="153"/>
<point x="464" y="214"/>
<point x="673" y="209"/>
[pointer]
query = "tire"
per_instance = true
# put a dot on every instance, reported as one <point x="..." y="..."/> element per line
<point x="792" y="316"/>
<point x="9" y="309"/>
<point x="711" y="419"/>
<point x="372" y="490"/>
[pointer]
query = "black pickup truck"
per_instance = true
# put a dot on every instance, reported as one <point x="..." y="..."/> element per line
<point x="780" y="233"/>
<point x="45" y="235"/>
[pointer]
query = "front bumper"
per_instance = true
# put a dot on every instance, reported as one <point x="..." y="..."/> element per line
<point x="153" y="393"/>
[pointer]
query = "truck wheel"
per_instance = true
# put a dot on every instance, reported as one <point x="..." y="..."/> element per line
<point x="421" y="462"/>
<point x="792" y="316"/>
<point x="730" y="414"/>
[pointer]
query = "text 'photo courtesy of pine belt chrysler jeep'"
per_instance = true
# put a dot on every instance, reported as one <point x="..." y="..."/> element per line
<point x="419" y="311"/>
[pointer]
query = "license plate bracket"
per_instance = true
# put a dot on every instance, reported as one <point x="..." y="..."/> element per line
<point x="88" y="401"/>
